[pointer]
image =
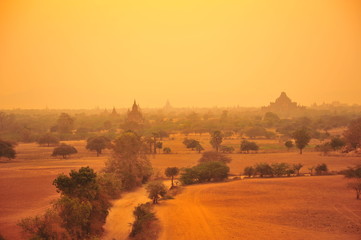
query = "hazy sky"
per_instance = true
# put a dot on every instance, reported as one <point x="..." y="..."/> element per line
<point x="87" y="53"/>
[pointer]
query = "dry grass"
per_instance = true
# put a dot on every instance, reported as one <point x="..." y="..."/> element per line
<point x="283" y="208"/>
<point x="26" y="182"/>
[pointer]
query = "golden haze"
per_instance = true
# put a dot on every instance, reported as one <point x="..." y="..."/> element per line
<point x="82" y="54"/>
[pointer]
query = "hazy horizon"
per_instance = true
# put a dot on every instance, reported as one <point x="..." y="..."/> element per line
<point x="85" y="54"/>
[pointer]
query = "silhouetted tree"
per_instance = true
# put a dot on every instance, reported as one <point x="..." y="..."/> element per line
<point x="199" y="148"/>
<point x="129" y="162"/>
<point x="353" y="134"/>
<point x="64" y="150"/>
<point x="48" y="139"/>
<point x="248" y="146"/>
<point x="98" y="144"/>
<point x="65" y="123"/>
<point x="297" y="167"/>
<point x="249" y="171"/>
<point x="227" y="149"/>
<point x="289" y="145"/>
<point x="172" y="172"/>
<point x="7" y="149"/>
<point x="302" y="138"/>
<point x="156" y="189"/>
<point x="212" y="156"/>
<point x="263" y="169"/>
<point x="321" y="169"/>
<point x="337" y="143"/>
<point x="167" y="150"/>
<point x="216" y="140"/>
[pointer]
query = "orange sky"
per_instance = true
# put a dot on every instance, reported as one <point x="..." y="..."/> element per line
<point x="88" y="53"/>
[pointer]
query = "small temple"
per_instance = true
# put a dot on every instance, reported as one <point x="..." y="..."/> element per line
<point x="135" y="115"/>
<point x="283" y="105"/>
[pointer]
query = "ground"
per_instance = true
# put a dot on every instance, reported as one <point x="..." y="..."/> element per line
<point x="26" y="182"/>
<point x="301" y="207"/>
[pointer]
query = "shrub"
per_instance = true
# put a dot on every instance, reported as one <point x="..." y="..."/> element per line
<point x="167" y="150"/>
<point x="227" y="149"/>
<point x="321" y="169"/>
<point x="263" y="169"/>
<point x="212" y="156"/>
<point x="204" y="172"/>
<point x="249" y="171"/>
<point x="156" y="189"/>
<point x="142" y="214"/>
<point x="64" y="150"/>
<point x="248" y="146"/>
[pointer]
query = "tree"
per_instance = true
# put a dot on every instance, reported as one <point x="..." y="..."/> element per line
<point x="321" y="169"/>
<point x="354" y="174"/>
<point x="302" y="138"/>
<point x="44" y="226"/>
<point x="289" y="145"/>
<point x="204" y="172"/>
<point x="199" y="148"/>
<point x="142" y="214"/>
<point x="227" y="149"/>
<point x="156" y="189"/>
<point x="263" y="169"/>
<point x="48" y="139"/>
<point x="83" y="206"/>
<point x="280" y="169"/>
<point x="325" y="148"/>
<point x="248" y="146"/>
<point x="353" y="134"/>
<point x="98" y="144"/>
<point x="7" y="150"/>
<point x="211" y="156"/>
<point x="356" y="185"/>
<point x="65" y="123"/>
<point x="249" y="171"/>
<point x="64" y="150"/>
<point x="337" y="143"/>
<point x="297" y="167"/>
<point x="211" y="171"/>
<point x="172" y="172"/>
<point x="216" y="140"/>
<point x="256" y="131"/>
<point x="159" y="145"/>
<point x="190" y="143"/>
<point x="167" y="150"/>
<point x="129" y="162"/>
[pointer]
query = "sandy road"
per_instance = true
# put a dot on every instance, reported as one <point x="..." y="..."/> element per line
<point x="303" y="208"/>
<point x="120" y="217"/>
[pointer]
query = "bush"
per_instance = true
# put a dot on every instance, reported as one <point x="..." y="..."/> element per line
<point x="204" y="172"/>
<point x="7" y="149"/>
<point x="249" y="171"/>
<point x="64" y="150"/>
<point x="142" y="214"/>
<point x="248" y="146"/>
<point x="227" y="149"/>
<point x="167" y="150"/>
<point x="263" y="169"/>
<point x="156" y="189"/>
<point x="212" y="156"/>
<point x="321" y="169"/>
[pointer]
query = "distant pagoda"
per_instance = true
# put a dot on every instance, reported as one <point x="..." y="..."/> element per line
<point x="167" y="106"/>
<point x="135" y="115"/>
<point x="283" y="106"/>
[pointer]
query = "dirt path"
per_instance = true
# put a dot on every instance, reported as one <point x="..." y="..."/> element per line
<point x="120" y="216"/>
<point x="304" y="208"/>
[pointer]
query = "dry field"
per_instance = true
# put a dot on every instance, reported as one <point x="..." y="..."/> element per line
<point x="26" y="182"/>
<point x="284" y="208"/>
